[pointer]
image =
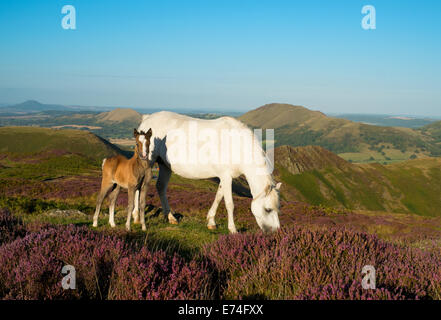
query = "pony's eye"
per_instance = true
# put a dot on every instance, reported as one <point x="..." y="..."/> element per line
<point x="268" y="210"/>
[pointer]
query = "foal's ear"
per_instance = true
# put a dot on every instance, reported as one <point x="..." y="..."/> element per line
<point x="135" y="133"/>
<point x="149" y="133"/>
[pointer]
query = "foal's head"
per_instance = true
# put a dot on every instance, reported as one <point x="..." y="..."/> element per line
<point x="142" y="143"/>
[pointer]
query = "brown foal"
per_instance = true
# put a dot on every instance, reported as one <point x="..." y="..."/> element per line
<point x="134" y="174"/>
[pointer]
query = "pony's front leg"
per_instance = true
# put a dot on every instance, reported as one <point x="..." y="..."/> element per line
<point x="161" y="187"/>
<point x="135" y="213"/>
<point x="105" y="187"/>
<point x="212" y="212"/>
<point x="131" y="196"/>
<point x="228" y="197"/>
<point x="112" y="201"/>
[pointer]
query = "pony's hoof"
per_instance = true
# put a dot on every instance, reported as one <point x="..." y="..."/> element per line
<point x="128" y="228"/>
<point x="144" y="228"/>
<point x="112" y="225"/>
<point x="172" y="219"/>
<point x="211" y="227"/>
<point x="95" y="224"/>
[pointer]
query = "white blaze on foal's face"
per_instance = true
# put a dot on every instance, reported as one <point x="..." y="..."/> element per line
<point x="143" y="142"/>
<point x="143" y="150"/>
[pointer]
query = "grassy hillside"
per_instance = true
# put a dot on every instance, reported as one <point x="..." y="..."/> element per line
<point x="433" y="130"/>
<point x="31" y="152"/>
<point x="316" y="176"/>
<point x="298" y="126"/>
<point x="28" y="140"/>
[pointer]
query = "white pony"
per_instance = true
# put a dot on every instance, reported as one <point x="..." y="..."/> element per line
<point x="201" y="149"/>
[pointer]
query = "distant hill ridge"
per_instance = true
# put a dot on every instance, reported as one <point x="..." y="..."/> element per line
<point x="120" y="115"/>
<point x="299" y="126"/>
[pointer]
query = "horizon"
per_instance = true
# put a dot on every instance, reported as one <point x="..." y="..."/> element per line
<point x="224" y="56"/>
<point x="207" y="111"/>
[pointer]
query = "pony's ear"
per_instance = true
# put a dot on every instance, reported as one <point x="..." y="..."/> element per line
<point x="149" y="133"/>
<point x="135" y="133"/>
<point x="278" y="186"/>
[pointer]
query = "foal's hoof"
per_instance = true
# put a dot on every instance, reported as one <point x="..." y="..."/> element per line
<point x="212" y="227"/>
<point x="172" y="219"/>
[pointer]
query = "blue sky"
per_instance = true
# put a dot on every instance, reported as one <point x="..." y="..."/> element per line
<point x="224" y="55"/>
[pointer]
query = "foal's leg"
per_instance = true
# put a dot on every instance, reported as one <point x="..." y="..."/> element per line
<point x="226" y="183"/>
<point x="142" y="198"/>
<point x="112" y="200"/>
<point x="105" y="187"/>
<point x="131" y="193"/>
<point x="135" y="213"/>
<point x="161" y="187"/>
<point x="212" y="212"/>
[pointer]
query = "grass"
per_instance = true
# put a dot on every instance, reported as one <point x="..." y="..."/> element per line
<point x="50" y="168"/>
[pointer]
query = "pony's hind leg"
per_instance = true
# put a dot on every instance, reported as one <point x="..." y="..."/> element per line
<point x="105" y="187"/>
<point x="131" y="194"/>
<point x="212" y="212"/>
<point x="142" y="203"/>
<point x="112" y="201"/>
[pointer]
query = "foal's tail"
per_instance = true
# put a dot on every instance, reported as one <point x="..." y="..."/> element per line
<point x="104" y="161"/>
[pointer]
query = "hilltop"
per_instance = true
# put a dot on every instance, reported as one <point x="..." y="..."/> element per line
<point x="299" y="126"/>
<point x="120" y="115"/>
<point x="317" y="176"/>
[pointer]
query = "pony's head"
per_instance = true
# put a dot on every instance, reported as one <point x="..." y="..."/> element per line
<point x="266" y="208"/>
<point x="142" y="143"/>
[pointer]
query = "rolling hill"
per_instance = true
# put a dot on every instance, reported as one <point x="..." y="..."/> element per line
<point x="299" y="126"/>
<point x="433" y="130"/>
<point x="317" y="176"/>
<point x="41" y="153"/>
<point x="120" y="115"/>
<point x="34" y="140"/>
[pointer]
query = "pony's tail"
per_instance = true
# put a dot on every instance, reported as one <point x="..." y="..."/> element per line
<point x="104" y="161"/>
